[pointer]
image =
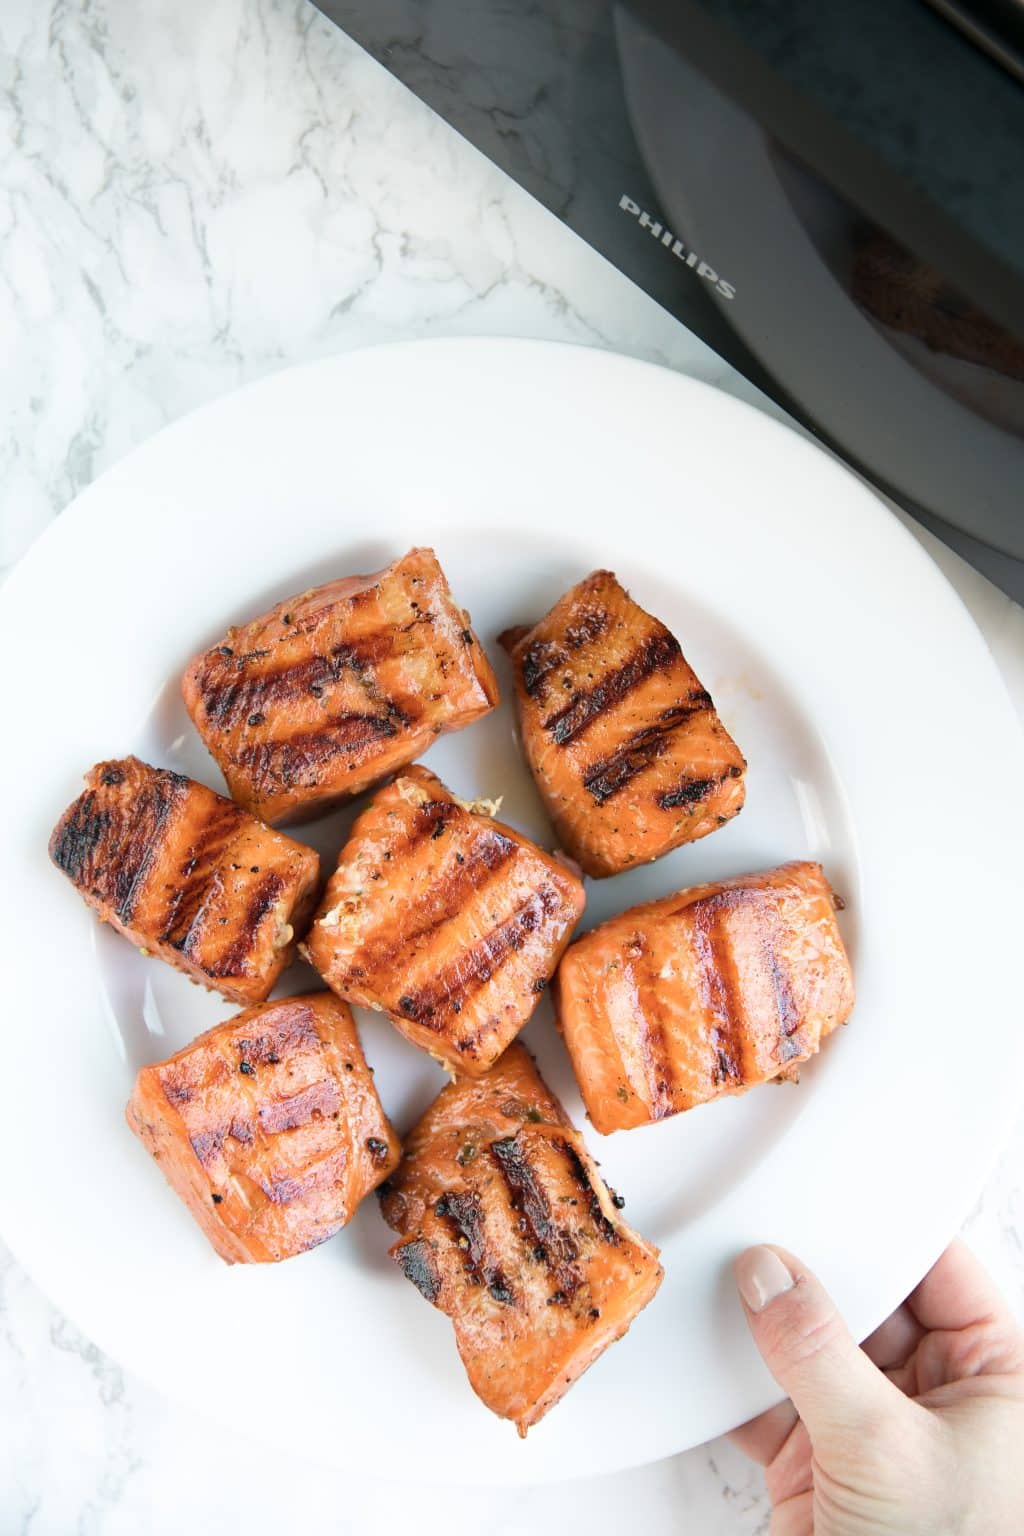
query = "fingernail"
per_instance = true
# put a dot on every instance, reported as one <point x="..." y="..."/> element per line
<point x="761" y="1276"/>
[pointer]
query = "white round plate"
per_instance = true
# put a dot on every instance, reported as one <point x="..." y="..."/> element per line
<point x="880" y="741"/>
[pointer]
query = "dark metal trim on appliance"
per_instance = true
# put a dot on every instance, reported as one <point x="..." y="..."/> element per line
<point x="700" y="30"/>
<point x="995" y="25"/>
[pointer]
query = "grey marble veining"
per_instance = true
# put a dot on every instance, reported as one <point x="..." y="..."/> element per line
<point x="192" y="195"/>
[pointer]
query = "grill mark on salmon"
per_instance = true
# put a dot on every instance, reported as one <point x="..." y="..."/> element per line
<point x="295" y="758"/>
<point x="186" y="901"/>
<point x="473" y="968"/>
<point x="546" y="656"/>
<point x="463" y="1215"/>
<point x="443" y="901"/>
<point x="286" y="1191"/>
<point x="229" y="697"/>
<point x="538" y="662"/>
<point x="429" y="821"/>
<point x="657" y="1067"/>
<point x="78" y="837"/>
<point x="653" y="1046"/>
<point x="552" y="1244"/>
<point x="206" y="1144"/>
<point x="711" y="947"/>
<point x="294" y="1035"/>
<point x="782" y="988"/>
<point x="263" y="898"/>
<point x="416" y="1261"/>
<point x="130" y="865"/>
<point x="314" y="1102"/>
<point x="691" y="791"/>
<point x="605" y="778"/>
<point x="586" y="705"/>
<point x="582" y="1178"/>
<point x="586" y="629"/>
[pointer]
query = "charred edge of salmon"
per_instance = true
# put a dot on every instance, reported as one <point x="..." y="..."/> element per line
<point x="490" y="852"/>
<point x="286" y="760"/>
<point x="77" y="835"/>
<point x="693" y="791"/>
<point x="656" y="652"/>
<point x="473" y="968"/>
<point x="229" y="696"/>
<point x="417" y="1262"/>
<point x="553" y="1245"/>
<point x="462" y="1213"/>
<point x="184" y="908"/>
<point x="129" y="828"/>
<point x="612" y="773"/>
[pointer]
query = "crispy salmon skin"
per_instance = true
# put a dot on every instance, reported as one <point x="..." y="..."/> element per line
<point x="444" y="919"/>
<point x="331" y="691"/>
<point x="187" y="875"/>
<point x="703" y="993"/>
<point x="506" y="1226"/>
<point x="622" y="738"/>
<point x="269" y="1127"/>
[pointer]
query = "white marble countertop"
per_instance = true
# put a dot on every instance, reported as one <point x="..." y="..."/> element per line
<point x="192" y="195"/>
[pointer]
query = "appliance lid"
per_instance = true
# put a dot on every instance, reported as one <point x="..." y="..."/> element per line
<point x="904" y="116"/>
<point x="941" y="430"/>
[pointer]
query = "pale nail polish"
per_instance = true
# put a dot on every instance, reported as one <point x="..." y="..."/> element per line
<point x="761" y="1276"/>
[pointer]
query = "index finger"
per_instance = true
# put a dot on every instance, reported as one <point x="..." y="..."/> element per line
<point x="955" y="1293"/>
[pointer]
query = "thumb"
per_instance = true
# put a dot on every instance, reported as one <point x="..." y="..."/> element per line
<point x="811" y="1353"/>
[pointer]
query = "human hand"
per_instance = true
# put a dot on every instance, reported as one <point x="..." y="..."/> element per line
<point x="918" y="1433"/>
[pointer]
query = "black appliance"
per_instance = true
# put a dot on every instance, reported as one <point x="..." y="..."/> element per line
<point x="829" y="192"/>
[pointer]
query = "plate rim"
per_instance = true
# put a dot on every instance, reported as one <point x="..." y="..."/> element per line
<point x="80" y="507"/>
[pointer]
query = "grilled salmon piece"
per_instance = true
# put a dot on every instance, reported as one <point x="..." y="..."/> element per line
<point x="628" y="752"/>
<point x="703" y="993"/>
<point x="269" y="1127"/>
<point x="333" y="690"/>
<point x="447" y="921"/>
<point x="187" y="875"/>
<point x="508" y="1228"/>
